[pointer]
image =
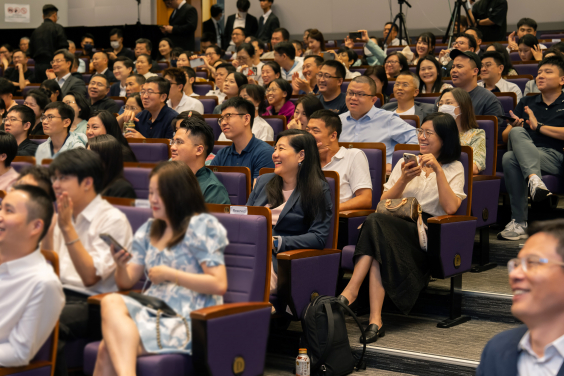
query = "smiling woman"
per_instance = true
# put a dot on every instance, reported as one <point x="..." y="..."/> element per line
<point x="278" y="97"/>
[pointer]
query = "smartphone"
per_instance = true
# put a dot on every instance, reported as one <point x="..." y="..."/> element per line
<point x="109" y="240"/>
<point x="355" y="35"/>
<point x="408" y="157"/>
<point x="507" y="118"/>
<point x="196" y="62"/>
<point x="249" y="71"/>
<point x="328" y="56"/>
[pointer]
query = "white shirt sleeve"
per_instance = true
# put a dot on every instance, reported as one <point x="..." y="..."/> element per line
<point x="394" y="176"/>
<point x="455" y="177"/>
<point x="360" y="173"/>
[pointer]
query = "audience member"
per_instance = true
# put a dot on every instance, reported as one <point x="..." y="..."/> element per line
<point x="134" y="84"/>
<point x="373" y="54"/>
<point x="308" y="83"/>
<point x="329" y="80"/>
<point x="461" y="28"/>
<point x="366" y="123"/>
<point x="104" y="122"/>
<point x="8" y="151"/>
<point x="236" y="122"/>
<point x="248" y="62"/>
<point x="306" y="106"/>
<point x="231" y="88"/>
<point x="351" y="164"/>
<point x="143" y="66"/>
<point x="116" y="42"/>
<point x="237" y="38"/>
<point x="165" y="49"/>
<point x="348" y="58"/>
<point x="81" y="66"/>
<point x="7" y="91"/>
<point x="278" y="35"/>
<point x="38" y="176"/>
<point x="268" y="22"/>
<point x="110" y="151"/>
<point x="214" y="26"/>
<point x="240" y="19"/>
<point x="98" y="90"/>
<point x="270" y="72"/>
<point x="315" y="43"/>
<point x="491" y="19"/>
<point x="61" y="73"/>
<point x="378" y="74"/>
<point x="6" y="52"/>
<point x="221" y="73"/>
<point x="524" y="26"/>
<point x="32" y="296"/>
<point x="19" y="74"/>
<point x="477" y="34"/>
<point x="18" y="123"/>
<point x="390" y="35"/>
<point x="123" y="68"/>
<point x="177" y="99"/>
<point x="190" y="74"/>
<point x="529" y="48"/>
<point x="508" y="69"/>
<point x="52" y="90"/>
<point x="285" y="56"/>
<point x="531" y="86"/>
<point x="133" y="103"/>
<point x="100" y="62"/>
<point x="37" y="100"/>
<point x="144" y="46"/>
<point x="81" y="109"/>
<point x="299" y="50"/>
<point x="212" y="59"/>
<point x="534" y="145"/>
<point x="406" y="89"/>
<point x="395" y="63"/>
<point x="24" y="45"/>
<point x="425" y="47"/>
<point x="463" y="43"/>
<point x="87" y="44"/>
<point x="429" y="72"/>
<point x="278" y="96"/>
<point x="491" y="72"/>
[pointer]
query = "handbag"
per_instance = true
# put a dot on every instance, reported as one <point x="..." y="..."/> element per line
<point x="162" y="308"/>
<point x="408" y="209"/>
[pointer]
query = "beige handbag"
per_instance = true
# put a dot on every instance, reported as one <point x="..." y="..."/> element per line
<point x="408" y="209"/>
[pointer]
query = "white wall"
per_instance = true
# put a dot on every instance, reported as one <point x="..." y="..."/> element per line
<point x="35" y="13"/>
<point x="109" y="12"/>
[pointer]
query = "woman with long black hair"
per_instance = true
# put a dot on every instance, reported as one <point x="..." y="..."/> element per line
<point x="104" y="122"/>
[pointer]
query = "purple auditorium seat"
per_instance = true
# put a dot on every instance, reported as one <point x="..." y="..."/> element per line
<point x="209" y="105"/>
<point x="514" y="56"/>
<point x="201" y="74"/>
<point x="120" y="101"/>
<point x="18" y="166"/>
<point x="86" y="77"/>
<point x="39" y="140"/>
<point x="390" y="88"/>
<point x="136" y="216"/>
<point x="211" y="120"/>
<point x="217" y="147"/>
<point x="507" y="102"/>
<point x="522" y="69"/>
<point x="438" y="50"/>
<point x="378" y="103"/>
<point x="139" y="179"/>
<point x="278" y="123"/>
<point x="31" y="69"/>
<point x="521" y="82"/>
<point x="19" y="101"/>
<point x="358" y="69"/>
<point x="330" y="44"/>
<point x="413" y="69"/>
<point x="162" y="65"/>
<point x="559" y="37"/>
<point x="150" y="152"/>
<point x="201" y="88"/>
<point x="235" y="331"/>
<point x="30" y="62"/>
<point x="237" y="183"/>
<point x="359" y="51"/>
<point x="345" y="86"/>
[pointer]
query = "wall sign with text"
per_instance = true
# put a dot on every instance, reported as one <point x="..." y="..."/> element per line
<point x="16" y="13"/>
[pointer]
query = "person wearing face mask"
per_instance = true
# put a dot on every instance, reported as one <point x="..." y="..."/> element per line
<point x="116" y="41"/>
<point x="305" y="107"/>
<point x="457" y="103"/>
<point x="87" y="44"/>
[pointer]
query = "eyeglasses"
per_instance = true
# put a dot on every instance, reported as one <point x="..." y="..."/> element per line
<point x="211" y="54"/>
<point x="271" y="90"/>
<point x="424" y="132"/>
<point x="148" y="92"/>
<point x="325" y="76"/>
<point x="352" y="94"/>
<point x="227" y="117"/>
<point x="57" y="62"/>
<point x="99" y="84"/>
<point x="176" y="142"/>
<point x="49" y="117"/>
<point x="391" y="62"/>
<point x="12" y="120"/>
<point x="61" y="178"/>
<point x="530" y="263"/>
<point x="69" y="102"/>
<point x="131" y="108"/>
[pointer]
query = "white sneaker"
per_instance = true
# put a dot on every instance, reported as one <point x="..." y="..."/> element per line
<point x="513" y="231"/>
<point x="538" y="190"/>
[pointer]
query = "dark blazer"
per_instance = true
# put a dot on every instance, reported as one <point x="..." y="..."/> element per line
<point x="264" y="33"/>
<point x="74" y="84"/>
<point x="421" y="109"/>
<point x="251" y="28"/>
<point x="114" y="90"/>
<point x="184" y="24"/>
<point x="208" y="27"/>
<point x="108" y="73"/>
<point x="290" y="226"/>
<point x="501" y="354"/>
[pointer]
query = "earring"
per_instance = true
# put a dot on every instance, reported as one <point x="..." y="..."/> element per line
<point x="299" y="164"/>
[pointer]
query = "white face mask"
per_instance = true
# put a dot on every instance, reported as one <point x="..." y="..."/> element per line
<point x="114" y="44"/>
<point x="448" y="109"/>
<point x="242" y="14"/>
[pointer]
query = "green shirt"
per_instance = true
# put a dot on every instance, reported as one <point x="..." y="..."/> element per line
<point x="214" y="192"/>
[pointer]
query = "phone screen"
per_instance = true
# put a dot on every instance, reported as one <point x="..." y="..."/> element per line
<point x="328" y="56"/>
<point x="109" y="240"/>
<point x="196" y="62"/>
<point x="355" y="35"/>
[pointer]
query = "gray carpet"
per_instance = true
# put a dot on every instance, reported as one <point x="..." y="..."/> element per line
<point x="493" y="281"/>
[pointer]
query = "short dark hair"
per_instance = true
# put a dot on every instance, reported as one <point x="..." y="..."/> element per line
<point x="145" y="41"/>
<point x="284" y="32"/>
<point x="394" y="26"/>
<point x="340" y="70"/>
<point x="216" y="10"/>
<point x="26" y="113"/>
<point x="331" y="119"/>
<point x="240" y="80"/>
<point x="401" y="58"/>
<point x="286" y="48"/>
<point x="556" y="60"/>
<point x="8" y="146"/>
<point x="177" y="74"/>
<point x="40" y="97"/>
<point x="139" y="78"/>
<point x="463" y="21"/>
<point x="216" y="49"/>
<point x="164" y="85"/>
<point x="507" y="66"/>
<point x="471" y="40"/>
<point x="284" y="86"/>
<point x="230" y="68"/>
<point x="49" y="9"/>
<point x="111" y="152"/>
<point x="445" y="127"/>
<point x="554" y="228"/>
<point x="528" y="40"/>
<point x="101" y="76"/>
<point x="200" y="129"/>
<point x="82" y="104"/>
<point x="248" y="47"/>
<point x="318" y="59"/>
<point x="39" y="206"/>
<point x="274" y="65"/>
<point x="127" y="62"/>
<point x="117" y="31"/>
<point x="41" y="176"/>
<point x="191" y="74"/>
<point x="65" y="111"/>
<point x="528" y="22"/>
<point x="50" y="87"/>
<point x="6" y="86"/>
<point x="243" y="5"/>
<point x="241" y="105"/>
<point x="207" y="37"/>
<point x="67" y="55"/>
<point x="353" y="56"/>
<point x="242" y="30"/>
<point x="256" y="92"/>
<point x="148" y="57"/>
<point x="87" y="35"/>
<point x="81" y="163"/>
<point x="477" y="31"/>
<point x="310" y="103"/>
<point x="496" y="56"/>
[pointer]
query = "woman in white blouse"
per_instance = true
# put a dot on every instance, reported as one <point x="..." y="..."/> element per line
<point x="388" y="247"/>
<point x="143" y="66"/>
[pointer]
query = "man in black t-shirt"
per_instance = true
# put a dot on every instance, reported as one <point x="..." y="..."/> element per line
<point x="329" y="80"/>
<point x="491" y="18"/>
<point x="13" y="73"/>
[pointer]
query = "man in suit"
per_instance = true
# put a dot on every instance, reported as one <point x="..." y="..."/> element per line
<point x="61" y="72"/>
<point x="182" y="24"/>
<point x="405" y="91"/>
<point x="45" y="40"/>
<point x="100" y="65"/>
<point x="214" y="27"/>
<point x="268" y="22"/>
<point x="537" y="280"/>
<point x="240" y="19"/>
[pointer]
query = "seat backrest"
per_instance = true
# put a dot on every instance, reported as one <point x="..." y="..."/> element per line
<point x="523" y="69"/>
<point x="379" y="100"/>
<point x="218" y="145"/>
<point x="508" y="101"/>
<point x="139" y="179"/>
<point x="237" y="181"/>
<point x="120" y="101"/>
<point x="136" y="215"/>
<point x="20" y="162"/>
<point x="202" y="74"/>
<point x="209" y="103"/>
<point x="412" y="120"/>
<point x="559" y="37"/>
<point x="86" y="78"/>
<point x="489" y="125"/>
<point x="19" y="101"/>
<point x="38" y="141"/>
<point x="422" y="99"/>
<point x="358" y="69"/>
<point x="390" y="88"/>
<point x="277" y="122"/>
<point x="202" y="88"/>
<point x="150" y="152"/>
<point x="514" y="56"/>
<point x="345" y="86"/>
<point x="520" y="81"/>
<point x="211" y="120"/>
<point x="162" y="65"/>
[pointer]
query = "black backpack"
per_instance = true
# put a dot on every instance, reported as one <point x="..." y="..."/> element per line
<point x="326" y="340"/>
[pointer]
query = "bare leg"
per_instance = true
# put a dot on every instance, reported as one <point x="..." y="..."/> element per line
<point x="360" y="270"/>
<point x="104" y="366"/>
<point x="376" y="293"/>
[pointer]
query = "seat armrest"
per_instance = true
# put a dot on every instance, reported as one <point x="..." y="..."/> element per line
<point x="96" y="299"/>
<point x="20" y="370"/>
<point x="476" y="178"/>
<point x="451" y="219"/>
<point x="355" y="213"/>
<point x="305" y="253"/>
<point x="223" y="310"/>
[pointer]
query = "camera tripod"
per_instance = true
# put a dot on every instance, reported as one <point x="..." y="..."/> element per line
<point x="402" y="32"/>
<point x="455" y="17"/>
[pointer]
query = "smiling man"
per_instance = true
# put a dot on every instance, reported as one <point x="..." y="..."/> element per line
<point x="405" y="91"/>
<point x="98" y="89"/>
<point x="310" y="68"/>
<point x="537" y="281"/>
<point x="19" y="121"/>
<point x="492" y="69"/>
<point x="329" y="79"/>
<point x="61" y="72"/>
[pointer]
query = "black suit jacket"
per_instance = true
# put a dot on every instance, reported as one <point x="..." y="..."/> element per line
<point x="208" y="27"/>
<point x="45" y="40"/>
<point x="251" y="28"/>
<point x="184" y="24"/>
<point x="108" y="73"/>
<point x="74" y="84"/>
<point x="421" y="109"/>
<point x="264" y="33"/>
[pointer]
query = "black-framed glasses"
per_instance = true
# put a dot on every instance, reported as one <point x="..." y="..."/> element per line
<point x="530" y="263"/>
<point x="227" y="117"/>
<point x="325" y="76"/>
<point x="49" y="117"/>
<point x="352" y="94"/>
<point x="148" y="92"/>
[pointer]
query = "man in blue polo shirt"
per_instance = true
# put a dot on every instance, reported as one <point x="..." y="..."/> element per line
<point x="236" y="122"/>
<point x="154" y="121"/>
<point x="535" y="143"/>
<point x="366" y="123"/>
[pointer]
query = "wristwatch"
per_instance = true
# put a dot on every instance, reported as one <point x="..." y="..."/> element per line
<point x="539" y="125"/>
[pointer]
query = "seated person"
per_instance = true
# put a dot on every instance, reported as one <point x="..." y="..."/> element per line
<point x="98" y="90"/>
<point x="221" y="73"/>
<point x="529" y="48"/>
<point x="315" y="43"/>
<point x="7" y="91"/>
<point x="118" y="50"/>
<point x="299" y="49"/>
<point x="425" y="46"/>
<point x="285" y="56"/>
<point x="38" y="176"/>
<point x="390" y="35"/>
<point x="104" y="122"/>
<point x="477" y="34"/>
<point x="143" y="66"/>
<point x="406" y="89"/>
<point x="87" y="44"/>
<point x="378" y="74"/>
<point x="32" y="296"/>
<point x="133" y="84"/>
<point x="237" y="38"/>
<point x="366" y="123"/>
<point x="524" y="26"/>
<point x="99" y="63"/>
<point x="133" y="103"/>
<point x="394" y="64"/>
<point x="278" y="35"/>
<point x="308" y="83"/>
<point x="110" y="151"/>
<point x="57" y="121"/>
<point x="299" y="183"/>
<point x="8" y="151"/>
<point x="190" y="74"/>
<point x="429" y="73"/>
<point x="329" y="80"/>
<point x="77" y="64"/>
<point x="351" y="164"/>
<point x="388" y="247"/>
<point x="236" y="122"/>
<point x="248" y="62"/>
<point x="463" y="43"/>
<point x="194" y="268"/>
<point x="212" y="59"/>
<point x="305" y="107"/>
<point x="348" y="58"/>
<point x="192" y="143"/>
<point x="231" y="87"/>
<point x="81" y="109"/>
<point x="154" y="121"/>
<point x="531" y="86"/>
<point x="261" y="129"/>
<point x="463" y="24"/>
<point x="123" y="68"/>
<point x="508" y="69"/>
<point x="278" y="96"/>
<point x="53" y="90"/>
<point x="37" y="100"/>
<point x="270" y="72"/>
<point x="535" y="143"/>
<point x="61" y="73"/>
<point x="457" y="103"/>
<point x="19" y="74"/>
<point x="177" y="99"/>
<point x="373" y="54"/>
<point x="18" y="123"/>
<point x="492" y="70"/>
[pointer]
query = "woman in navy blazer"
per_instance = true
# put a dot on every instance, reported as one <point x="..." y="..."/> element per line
<point x="297" y="193"/>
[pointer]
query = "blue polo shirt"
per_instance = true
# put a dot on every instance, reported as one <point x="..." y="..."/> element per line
<point x="160" y="128"/>
<point x="256" y="155"/>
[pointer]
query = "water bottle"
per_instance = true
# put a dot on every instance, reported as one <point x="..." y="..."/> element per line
<point x="126" y="125"/>
<point x="303" y="364"/>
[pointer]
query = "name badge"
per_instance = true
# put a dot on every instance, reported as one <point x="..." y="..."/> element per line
<point x="139" y="203"/>
<point x="239" y="210"/>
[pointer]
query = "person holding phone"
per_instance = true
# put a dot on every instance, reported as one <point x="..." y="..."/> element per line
<point x="248" y="62"/>
<point x="190" y="276"/>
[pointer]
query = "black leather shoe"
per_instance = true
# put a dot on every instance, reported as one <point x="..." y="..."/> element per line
<point x="343" y="299"/>
<point x="352" y="306"/>
<point x="372" y="332"/>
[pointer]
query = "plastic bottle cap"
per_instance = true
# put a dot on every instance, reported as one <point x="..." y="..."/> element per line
<point x="303" y="351"/>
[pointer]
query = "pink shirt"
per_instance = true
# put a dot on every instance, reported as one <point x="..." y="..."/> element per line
<point x="286" y="110"/>
<point x="8" y="179"/>
<point x="276" y="211"/>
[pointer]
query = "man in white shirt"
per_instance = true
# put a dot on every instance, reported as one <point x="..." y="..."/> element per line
<point x="177" y="99"/>
<point x="351" y="164"/>
<point x="285" y="56"/>
<point x="406" y="89"/>
<point x="492" y="68"/>
<point x="32" y="295"/>
<point x="86" y="264"/>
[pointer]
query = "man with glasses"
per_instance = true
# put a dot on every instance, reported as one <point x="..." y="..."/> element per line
<point x="236" y="122"/>
<point x="240" y="19"/>
<point x="61" y="72"/>
<point x="329" y="80"/>
<point x="144" y="46"/>
<point x="285" y="56"/>
<point x="182" y="24"/>
<point x="406" y="89"/>
<point x="366" y="123"/>
<point x="464" y="42"/>
<point x="278" y="35"/>
<point x="100" y="64"/>
<point x="491" y="74"/>
<point x="98" y="89"/>
<point x="536" y="278"/>
<point x="57" y="120"/>
<point x="19" y="75"/>
<point x="192" y="144"/>
<point x="18" y="123"/>
<point x="154" y="121"/>
<point x="237" y="38"/>
<point x="177" y="99"/>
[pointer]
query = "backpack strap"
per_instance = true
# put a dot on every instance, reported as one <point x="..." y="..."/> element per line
<point x="359" y="365"/>
<point x="330" y="335"/>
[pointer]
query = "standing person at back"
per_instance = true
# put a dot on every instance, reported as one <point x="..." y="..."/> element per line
<point x="182" y="24"/>
<point x="268" y="22"/>
<point x="240" y="19"/>
<point x="45" y="40"/>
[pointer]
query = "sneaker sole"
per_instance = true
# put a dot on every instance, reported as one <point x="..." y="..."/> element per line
<point x="540" y="194"/>
<point x="501" y="237"/>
